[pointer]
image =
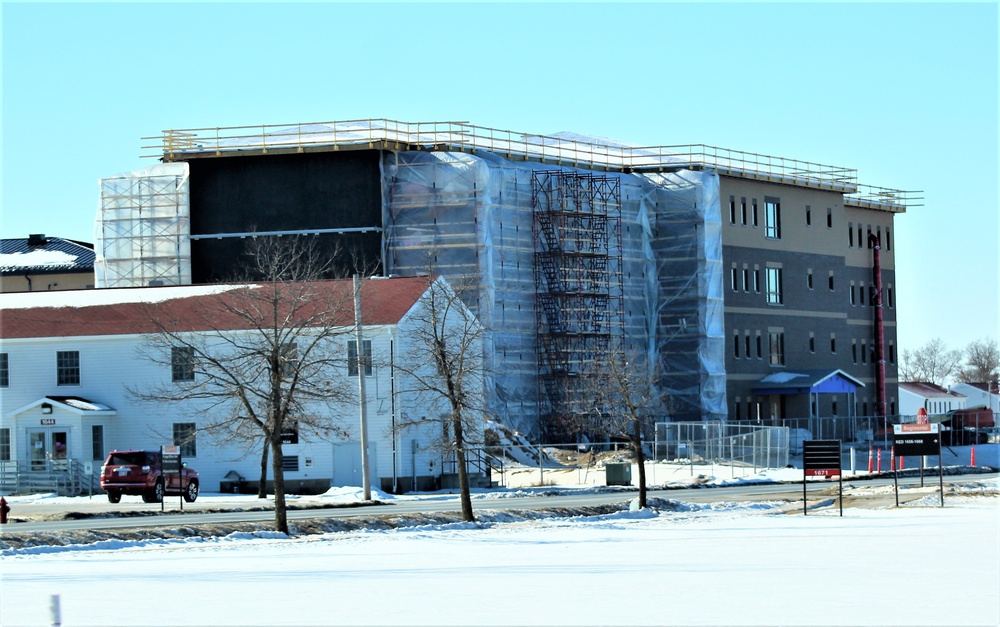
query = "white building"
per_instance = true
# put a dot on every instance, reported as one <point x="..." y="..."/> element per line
<point x="69" y="359"/>
<point x="980" y="395"/>
<point x="935" y="399"/>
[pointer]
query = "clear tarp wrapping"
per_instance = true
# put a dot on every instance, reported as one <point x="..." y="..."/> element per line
<point x="471" y="214"/>
<point x="142" y="229"/>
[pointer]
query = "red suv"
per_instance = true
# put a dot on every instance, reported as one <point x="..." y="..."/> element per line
<point x="139" y="472"/>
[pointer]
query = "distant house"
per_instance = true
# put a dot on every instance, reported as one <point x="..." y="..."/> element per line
<point x="43" y="264"/>
<point x="914" y="395"/>
<point x="980" y="394"/>
<point x="67" y="358"/>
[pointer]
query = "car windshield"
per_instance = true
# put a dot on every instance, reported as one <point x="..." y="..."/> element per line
<point x="127" y="459"/>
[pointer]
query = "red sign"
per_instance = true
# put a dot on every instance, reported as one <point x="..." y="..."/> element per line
<point x="820" y="472"/>
<point x="916" y="428"/>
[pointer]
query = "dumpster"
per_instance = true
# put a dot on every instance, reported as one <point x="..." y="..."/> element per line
<point x="618" y="473"/>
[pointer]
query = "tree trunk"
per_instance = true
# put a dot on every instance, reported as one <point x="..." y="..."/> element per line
<point x="641" y="461"/>
<point x="262" y="489"/>
<point x="278" y="472"/>
<point x="463" y="475"/>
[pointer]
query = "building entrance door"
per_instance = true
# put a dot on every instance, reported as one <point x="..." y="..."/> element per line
<point x="47" y="449"/>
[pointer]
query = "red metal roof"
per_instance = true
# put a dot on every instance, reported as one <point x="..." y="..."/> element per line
<point x="384" y="301"/>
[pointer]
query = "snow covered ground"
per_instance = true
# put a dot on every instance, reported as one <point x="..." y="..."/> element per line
<point x="761" y="563"/>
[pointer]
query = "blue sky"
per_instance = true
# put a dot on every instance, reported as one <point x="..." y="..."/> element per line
<point x="904" y="93"/>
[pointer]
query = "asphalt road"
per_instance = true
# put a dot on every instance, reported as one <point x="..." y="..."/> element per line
<point x="787" y="491"/>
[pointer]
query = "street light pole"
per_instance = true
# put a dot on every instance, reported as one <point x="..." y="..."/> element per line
<point x="366" y="479"/>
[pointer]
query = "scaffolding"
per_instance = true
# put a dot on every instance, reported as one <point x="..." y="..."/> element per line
<point x="578" y="290"/>
<point x="142" y="228"/>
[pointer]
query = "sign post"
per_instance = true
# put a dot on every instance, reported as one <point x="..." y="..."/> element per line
<point x="919" y="439"/>
<point x="170" y="464"/>
<point x="822" y="458"/>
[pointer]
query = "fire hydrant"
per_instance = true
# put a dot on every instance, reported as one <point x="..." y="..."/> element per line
<point x="4" y="508"/>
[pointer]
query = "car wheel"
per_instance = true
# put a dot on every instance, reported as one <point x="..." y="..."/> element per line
<point x="192" y="492"/>
<point x="155" y="495"/>
<point x="114" y="496"/>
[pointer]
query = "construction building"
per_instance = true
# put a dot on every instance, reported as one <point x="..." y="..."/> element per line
<point x="713" y="269"/>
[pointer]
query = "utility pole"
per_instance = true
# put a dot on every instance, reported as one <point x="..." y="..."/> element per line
<point x="361" y="363"/>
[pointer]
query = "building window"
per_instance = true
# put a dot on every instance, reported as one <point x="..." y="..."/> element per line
<point x="833" y="407"/>
<point x="290" y="359"/>
<point x="892" y="408"/>
<point x="774" y="296"/>
<point x="833" y="343"/>
<point x="829" y="217"/>
<point x="290" y="463"/>
<point x="760" y="352"/>
<point x="182" y="363"/>
<point x="736" y="344"/>
<point x="772" y="218"/>
<point x="892" y="353"/>
<point x="812" y="342"/>
<point x="776" y="345"/>
<point x="5" y="444"/>
<point x="743" y="211"/>
<point x="753" y="213"/>
<point x="850" y="234"/>
<point x="746" y="344"/>
<point x="869" y="238"/>
<point x="809" y="279"/>
<point x="830" y="281"/>
<point x="746" y="279"/>
<point x="734" y="274"/>
<point x="97" y="442"/>
<point x="352" y="358"/>
<point x="888" y="295"/>
<point x="184" y="437"/>
<point x="861" y="294"/>
<point x="854" y="351"/>
<point x="756" y="280"/>
<point x="864" y="352"/>
<point x="68" y="368"/>
<point x="853" y="298"/>
<point x="4" y="370"/>
<point x="888" y="241"/>
<point x="737" y="405"/>
<point x="732" y="210"/>
<point x="809" y="216"/>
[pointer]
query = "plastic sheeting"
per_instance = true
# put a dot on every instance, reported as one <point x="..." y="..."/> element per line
<point x="142" y="229"/>
<point x="464" y="214"/>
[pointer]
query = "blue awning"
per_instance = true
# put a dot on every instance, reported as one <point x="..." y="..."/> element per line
<point x="808" y="382"/>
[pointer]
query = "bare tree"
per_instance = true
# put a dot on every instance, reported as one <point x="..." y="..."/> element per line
<point x="260" y="357"/>
<point x="982" y="362"/>
<point x="934" y="362"/>
<point x="445" y="366"/>
<point x="626" y="399"/>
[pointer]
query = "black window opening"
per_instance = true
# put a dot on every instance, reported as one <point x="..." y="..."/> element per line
<point x="777" y="348"/>
<point x="829" y="218"/>
<point x="290" y="463"/>
<point x="732" y="210"/>
<point x="4" y="370"/>
<point x="68" y="368"/>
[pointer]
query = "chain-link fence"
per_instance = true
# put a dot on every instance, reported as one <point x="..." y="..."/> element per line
<point x="754" y="446"/>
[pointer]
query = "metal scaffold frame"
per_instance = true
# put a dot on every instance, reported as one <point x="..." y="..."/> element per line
<point x="579" y="289"/>
<point x="143" y="227"/>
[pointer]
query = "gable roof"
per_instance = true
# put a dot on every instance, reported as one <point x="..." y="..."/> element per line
<point x="384" y="301"/>
<point x="45" y="255"/>
<point x="927" y="389"/>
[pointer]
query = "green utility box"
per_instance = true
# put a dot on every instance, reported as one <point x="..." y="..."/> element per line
<point x="618" y="473"/>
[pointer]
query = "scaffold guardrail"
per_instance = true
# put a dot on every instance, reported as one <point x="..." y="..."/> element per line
<point x="299" y="137"/>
